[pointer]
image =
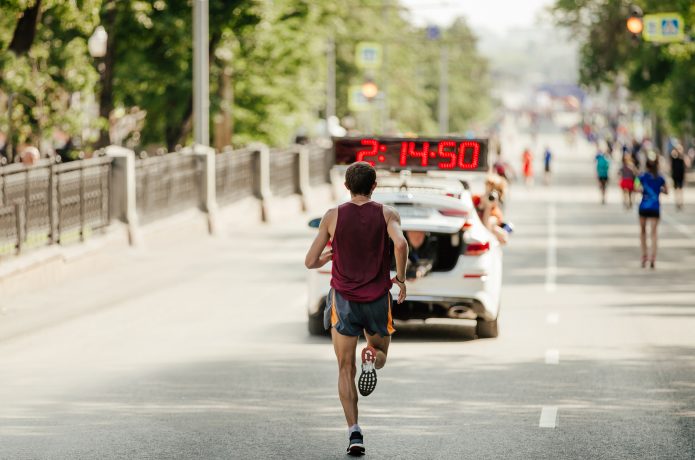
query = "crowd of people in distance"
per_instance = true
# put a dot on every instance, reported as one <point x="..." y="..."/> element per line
<point x="639" y="172"/>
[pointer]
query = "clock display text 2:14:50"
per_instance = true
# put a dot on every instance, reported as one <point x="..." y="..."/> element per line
<point x="451" y="154"/>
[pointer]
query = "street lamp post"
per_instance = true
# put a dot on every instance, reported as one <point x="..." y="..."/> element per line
<point x="370" y="91"/>
<point x="201" y="74"/>
<point x="97" y="44"/>
<point x="444" y="89"/>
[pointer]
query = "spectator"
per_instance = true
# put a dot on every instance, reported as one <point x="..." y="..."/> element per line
<point x="30" y="155"/>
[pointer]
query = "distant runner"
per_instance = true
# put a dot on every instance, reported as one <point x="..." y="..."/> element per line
<point x="652" y="184"/>
<point x="527" y="166"/>
<point x="603" y="164"/>
<point x="628" y="174"/>
<point x="547" y="159"/>
<point x="359" y="300"/>
<point x="679" y="163"/>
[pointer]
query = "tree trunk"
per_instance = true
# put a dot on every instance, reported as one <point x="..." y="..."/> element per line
<point x="25" y="31"/>
<point x="106" y="68"/>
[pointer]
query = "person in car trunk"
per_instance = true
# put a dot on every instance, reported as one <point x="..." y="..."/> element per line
<point x="359" y="300"/>
<point x="421" y="254"/>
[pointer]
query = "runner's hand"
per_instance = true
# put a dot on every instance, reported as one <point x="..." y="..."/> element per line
<point x="402" y="293"/>
<point x="325" y="257"/>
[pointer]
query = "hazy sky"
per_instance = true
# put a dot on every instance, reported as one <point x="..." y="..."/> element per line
<point x="497" y="15"/>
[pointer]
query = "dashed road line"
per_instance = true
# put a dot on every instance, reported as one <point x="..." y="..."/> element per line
<point x="548" y="417"/>
<point x="552" y="357"/>
<point x="551" y="254"/>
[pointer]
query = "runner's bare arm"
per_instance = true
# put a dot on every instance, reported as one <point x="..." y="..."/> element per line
<point x="318" y="255"/>
<point x="400" y="247"/>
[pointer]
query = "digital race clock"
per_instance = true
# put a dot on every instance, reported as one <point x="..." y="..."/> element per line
<point x="417" y="154"/>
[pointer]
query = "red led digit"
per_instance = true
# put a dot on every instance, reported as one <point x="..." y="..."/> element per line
<point x="447" y="155"/>
<point x="475" y="157"/>
<point x="423" y="154"/>
<point x="404" y="154"/>
<point x="367" y="152"/>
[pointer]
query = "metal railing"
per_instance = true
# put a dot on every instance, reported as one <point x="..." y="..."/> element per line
<point x="284" y="171"/>
<point x="236" y="176"/>
<point x="320" y="163"/>
<point x="167" y="184"/>
<point x="51" y="203"/>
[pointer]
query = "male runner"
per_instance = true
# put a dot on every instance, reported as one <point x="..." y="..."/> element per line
<point x="359" y="299"/>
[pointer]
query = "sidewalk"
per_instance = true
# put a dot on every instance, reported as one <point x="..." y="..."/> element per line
<point x="53" y="264"/>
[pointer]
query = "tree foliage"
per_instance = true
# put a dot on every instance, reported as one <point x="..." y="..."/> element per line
<point x="661" y="76"/>
<point x="268" y="66"/>
<point x="45" y="79"/>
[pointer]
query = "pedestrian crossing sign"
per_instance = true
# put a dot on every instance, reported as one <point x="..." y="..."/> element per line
<point x="368" y="55"/>
<point x="663" y="28"/>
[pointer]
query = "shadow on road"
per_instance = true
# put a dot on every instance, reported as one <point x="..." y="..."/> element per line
<point x="438" y="407"/>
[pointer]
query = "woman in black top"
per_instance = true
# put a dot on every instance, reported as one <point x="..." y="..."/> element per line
<point x="678" y="166"/>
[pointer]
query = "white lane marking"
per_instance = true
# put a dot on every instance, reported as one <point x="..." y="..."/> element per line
<point x="548" y="417"/>
<point x="679" y="226"/>
<point x="552" y="318"/>
<point x="551" y="255"/>
<point x="552" y="357"/>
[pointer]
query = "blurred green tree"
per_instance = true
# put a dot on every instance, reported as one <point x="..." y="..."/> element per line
<point x="660" y="76"/>
<point x="45" y="68"/>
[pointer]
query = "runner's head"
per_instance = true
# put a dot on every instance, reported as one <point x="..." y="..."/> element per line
<point x="360" y="178"/>
<point x="653" y="164"/>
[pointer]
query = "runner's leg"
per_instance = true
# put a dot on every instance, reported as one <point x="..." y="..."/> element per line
<point x="381" y="345"/>
<point x="653" y="223"/>
<point x="344" y="346"/>
<point x="643" y="237"/>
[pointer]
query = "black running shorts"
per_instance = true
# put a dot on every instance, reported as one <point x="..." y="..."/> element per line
<point x="351" y="318"/>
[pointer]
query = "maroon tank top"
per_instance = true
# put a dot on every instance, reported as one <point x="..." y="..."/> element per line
<point x="361" y="252"/>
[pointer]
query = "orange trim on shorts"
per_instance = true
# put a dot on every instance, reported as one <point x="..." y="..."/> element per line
<point x="334" y="314"/>
<point x="389" y="322"/>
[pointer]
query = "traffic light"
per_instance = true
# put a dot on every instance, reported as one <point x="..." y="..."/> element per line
<point x="369" y="89"/>
<point x="634" y="22"/>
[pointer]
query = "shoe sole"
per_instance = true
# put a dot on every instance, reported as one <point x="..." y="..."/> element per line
<point x="367" y="381"/>
<point x="356" y="450"/>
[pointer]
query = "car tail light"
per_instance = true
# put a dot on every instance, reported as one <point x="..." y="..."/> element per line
<point x="466" y="225"/>
<point x="475" y="249"/>
<point x="453" y="212"/>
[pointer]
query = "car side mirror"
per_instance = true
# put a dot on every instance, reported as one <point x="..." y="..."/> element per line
<point x="314" y="223"/>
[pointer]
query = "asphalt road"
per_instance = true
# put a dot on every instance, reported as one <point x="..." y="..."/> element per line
<point x="200" y="350"/>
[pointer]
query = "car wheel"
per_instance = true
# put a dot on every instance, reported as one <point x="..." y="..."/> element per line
<point x="486" y="329"/>
<point x="316" y="323"/>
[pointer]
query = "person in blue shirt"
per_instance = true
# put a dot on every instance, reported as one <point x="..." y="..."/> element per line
<point x="547" y="158"/>
<point x="652" y="185"/>
<point x="603" y="164"/>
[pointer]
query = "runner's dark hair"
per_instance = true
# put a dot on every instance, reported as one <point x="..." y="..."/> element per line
<point x="360" y="177"/>
<point x="653" y="166"/>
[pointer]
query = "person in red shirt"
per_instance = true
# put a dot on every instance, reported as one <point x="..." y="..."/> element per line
<point x="359" y="300"/>
<point x="527" y="166"/>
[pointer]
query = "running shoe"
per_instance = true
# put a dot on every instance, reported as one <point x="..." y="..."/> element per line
<point x="367" y="381"/>
<point x="356" y="446"/>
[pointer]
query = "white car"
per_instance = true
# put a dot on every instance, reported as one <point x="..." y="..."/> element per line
<point x="461" y="277"/>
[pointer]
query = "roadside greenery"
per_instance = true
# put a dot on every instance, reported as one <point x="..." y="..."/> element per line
<point x="660" y="76"/>
<point x="268" y="68"/>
